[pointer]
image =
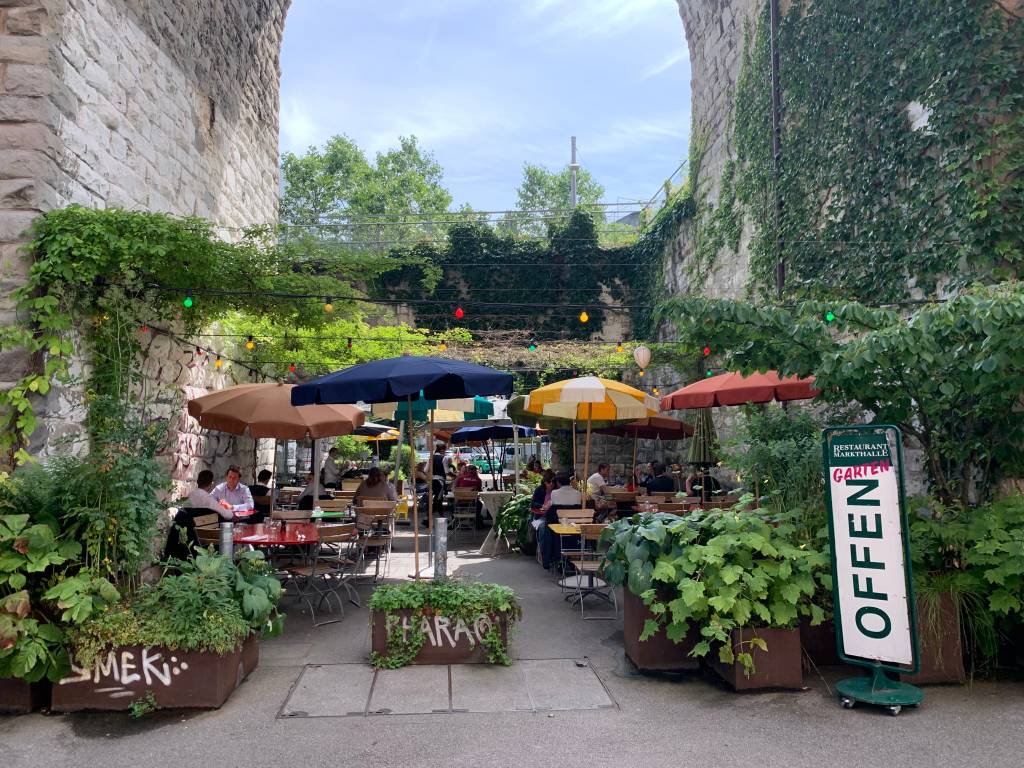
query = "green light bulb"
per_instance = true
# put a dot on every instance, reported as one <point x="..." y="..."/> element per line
<point x="187" y="303"/>
<point x="830" y="316"/>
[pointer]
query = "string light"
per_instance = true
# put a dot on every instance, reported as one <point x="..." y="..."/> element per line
<point x="350" y="342"/>
<point x="641" y="372"/>
<point x="532" y="346"/>
<point x="709" y="374"/>
<point x="199" y="351"/>
<point x="654" y="390"/>
<point x="707" y="351"/>
<point x="328" y="305"/>
<point x="584" y="317"/>
<point x="218" y="362"/>
<point x="144" y="328"/>
<point x="830" y="316"/>
<point x="441" y="347"/>
<point x="459" y="313"/>
<point x="619" y="348"/>
<point x="291" y="368"/>
<point x="187" y="301"/>
<point x="250" y="344"/>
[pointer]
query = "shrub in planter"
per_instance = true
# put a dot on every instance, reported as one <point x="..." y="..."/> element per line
<point x="513" y="522"/>
<point x="439" y="622"/>
<point x="205" y="613"/>
<point x="717" y="573"/>
<point x="42" y="593"/>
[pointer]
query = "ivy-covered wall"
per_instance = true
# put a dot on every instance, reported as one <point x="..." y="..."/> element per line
<point x="902" y="145"/>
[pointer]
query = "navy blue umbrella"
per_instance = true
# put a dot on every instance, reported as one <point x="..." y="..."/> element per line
<point x="489" y="432"/>
<point x="404" y="378"/>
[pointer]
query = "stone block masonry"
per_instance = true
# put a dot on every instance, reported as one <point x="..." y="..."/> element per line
<point x="160" y="105"/>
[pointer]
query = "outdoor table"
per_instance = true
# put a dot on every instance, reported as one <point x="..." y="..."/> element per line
<point x="290" y="534"/>
<point x="331" y="514"/>
<point x="494" y="544"/>
<point x="244" y="514"/>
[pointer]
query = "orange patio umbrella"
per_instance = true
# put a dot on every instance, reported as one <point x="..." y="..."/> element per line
<point x="737" y="389"/>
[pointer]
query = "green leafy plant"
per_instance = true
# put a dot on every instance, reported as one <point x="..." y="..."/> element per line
<point x="143" y="706"/>
<point x="947" y="374"/>
<point x="42" y="592"/>
<point x="718" y="571"/>
<point x="514" y="517"/>
<point x="209" y="604"/>
<point x="455" y="599"/>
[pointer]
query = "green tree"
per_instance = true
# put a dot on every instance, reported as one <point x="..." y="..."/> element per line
<point x="373" y="205"/>
<point x="548" y="191"/>
<point x="947" y="375"/>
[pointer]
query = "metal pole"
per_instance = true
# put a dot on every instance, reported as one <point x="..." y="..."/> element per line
<point x="430" y="485"/>
<point x="441" y="548"/>
<point x="573" y="167"/>
<point x="586" y="454"/>
<point x="773" y="24"/>
<point x="227" y="540"/>
<point x="415" y="506"/>
<point x="515" y="457"/>
<point x="315" y="469"/>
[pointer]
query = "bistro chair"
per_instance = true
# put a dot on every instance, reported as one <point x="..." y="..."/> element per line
<point x="292" y="515"/>
<point x="351" y="483"/>
<point x="380" y="514"/>
<point x="334" y="505"/>
<point x="330" y="570"/>
<point x="589" y="566"/>
<point x="464" y="510"/>
<point x="207" y="535"/>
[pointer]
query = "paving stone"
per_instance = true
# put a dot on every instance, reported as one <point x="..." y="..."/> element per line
<point x="410" y="690"/>
<point x="330" y="690"/>
<point x="561" y="684"/>
<point x="483" y="688"/>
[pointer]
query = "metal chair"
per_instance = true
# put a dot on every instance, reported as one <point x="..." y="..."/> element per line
<point x="589" y="565"/>
<point x="338" y="552"/>
<point x="464" y="511"/>
<point x="380" y="515"/>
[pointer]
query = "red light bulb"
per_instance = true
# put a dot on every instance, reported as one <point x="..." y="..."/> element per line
<point x="459" y="314"/>
<point x="707" y="351"/>
<point x="291" y="368"/>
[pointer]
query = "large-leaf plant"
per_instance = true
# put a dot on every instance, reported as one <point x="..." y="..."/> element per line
<point x="713" y="572"/>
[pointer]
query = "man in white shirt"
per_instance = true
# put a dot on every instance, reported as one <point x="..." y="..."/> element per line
<point x="200" y="498"/>
<point x="596" y="485"/>
<point x="232" y="495"/>
<point x="565" y="496"/>
<point x="332" y="473"/>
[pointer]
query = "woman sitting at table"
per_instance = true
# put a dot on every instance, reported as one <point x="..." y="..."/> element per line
<point x="469" y="478"/>
<point x="375" y="486"/>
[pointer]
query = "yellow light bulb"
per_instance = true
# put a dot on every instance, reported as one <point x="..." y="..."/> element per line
<point x="250" y="344"/>
<point x="442" y="346"/>
<point x="584" y="316"/>
<point x="218" y="362"/>
<point x="618" y="347"/>
<point x="641" y="371"/>
<point x="328" y="307"/>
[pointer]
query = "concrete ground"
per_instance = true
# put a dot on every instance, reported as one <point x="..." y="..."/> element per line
<point x="669" y="720"/>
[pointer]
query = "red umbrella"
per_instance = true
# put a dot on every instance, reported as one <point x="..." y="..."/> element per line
<point x="736" y="389"/>
<point x="651" y="428"/>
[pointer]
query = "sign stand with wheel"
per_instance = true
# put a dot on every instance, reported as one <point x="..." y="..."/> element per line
<point x="872" y="581"/>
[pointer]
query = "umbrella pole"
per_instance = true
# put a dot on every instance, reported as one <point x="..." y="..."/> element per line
<point x="632" y="467"/>
<point x="430" y="490"/>
<point x="586" y="453"/>
<point x="515" y="457"/>
<point x="572" y="469"/>
<point x="315" y="469"/>
<point x="415" y="506"/>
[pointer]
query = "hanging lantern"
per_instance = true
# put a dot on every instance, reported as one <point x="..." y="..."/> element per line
<point x="642" y="356"/>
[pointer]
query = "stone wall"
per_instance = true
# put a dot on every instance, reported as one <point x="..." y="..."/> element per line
<point x="161" y="105"/>
<point x="714" y="36"/>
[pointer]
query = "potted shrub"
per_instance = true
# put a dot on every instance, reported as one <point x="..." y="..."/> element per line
<point x="513" y="522"/>
<point x="187" y="641"/>
<point x="40" y="596"/>
<point x="635" y="545"/>
<point x="736" y="579"/>
<point x="446" y="621"/>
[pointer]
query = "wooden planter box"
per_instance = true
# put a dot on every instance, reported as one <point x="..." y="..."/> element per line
<point x="779" y="667"/>
<point x="447" y="641"/>
<point x="19" y="698"/>
<point x="657" y="653"/>
<point x="940" y="647"/>
<point x="176" y="679"/>
<point x="819" y="643"/>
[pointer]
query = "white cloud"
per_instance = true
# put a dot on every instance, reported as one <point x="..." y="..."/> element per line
<point x="595" y="18"/>
<point x="664" y="66"/>
<point x="298" y="128"/>
<point x="632" y="133"/>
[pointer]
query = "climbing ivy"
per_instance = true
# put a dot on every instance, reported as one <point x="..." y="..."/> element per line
<point x="902" y="146"/>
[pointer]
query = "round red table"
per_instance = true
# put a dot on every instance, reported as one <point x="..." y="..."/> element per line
<point x="259" y="535"/>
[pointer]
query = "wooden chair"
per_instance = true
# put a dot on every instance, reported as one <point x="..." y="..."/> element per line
<point x="464" y="510"/>
<point x="292" y="515"/>
<point x="334" y="505"/>
<point x="674" y="507"/>
<point x="208" y="535"/>
<point x="205" y="521"/>
<point x="377" y="528"/>
<point x="351" y="483"/>
<point x="589" y="565"/>
<point x="575" y="516"/>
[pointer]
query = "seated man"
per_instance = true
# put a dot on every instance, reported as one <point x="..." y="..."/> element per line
<point x="564" y="496"/>
<point x="200" y="497"/>
<point x="662" y="482"/>
<point x="262" y="488"/>
<point x="596" y="485"/>
<point x="232" y="495"/>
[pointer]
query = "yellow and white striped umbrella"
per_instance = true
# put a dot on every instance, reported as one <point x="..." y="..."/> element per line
<point x="589" y="398"/>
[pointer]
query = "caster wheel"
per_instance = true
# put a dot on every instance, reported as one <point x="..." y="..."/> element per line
<point x="847" y="702"/>
<point x="895" y="710"/>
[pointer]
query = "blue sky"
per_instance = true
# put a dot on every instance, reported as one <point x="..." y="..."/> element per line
<point x="490" y="84"/>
